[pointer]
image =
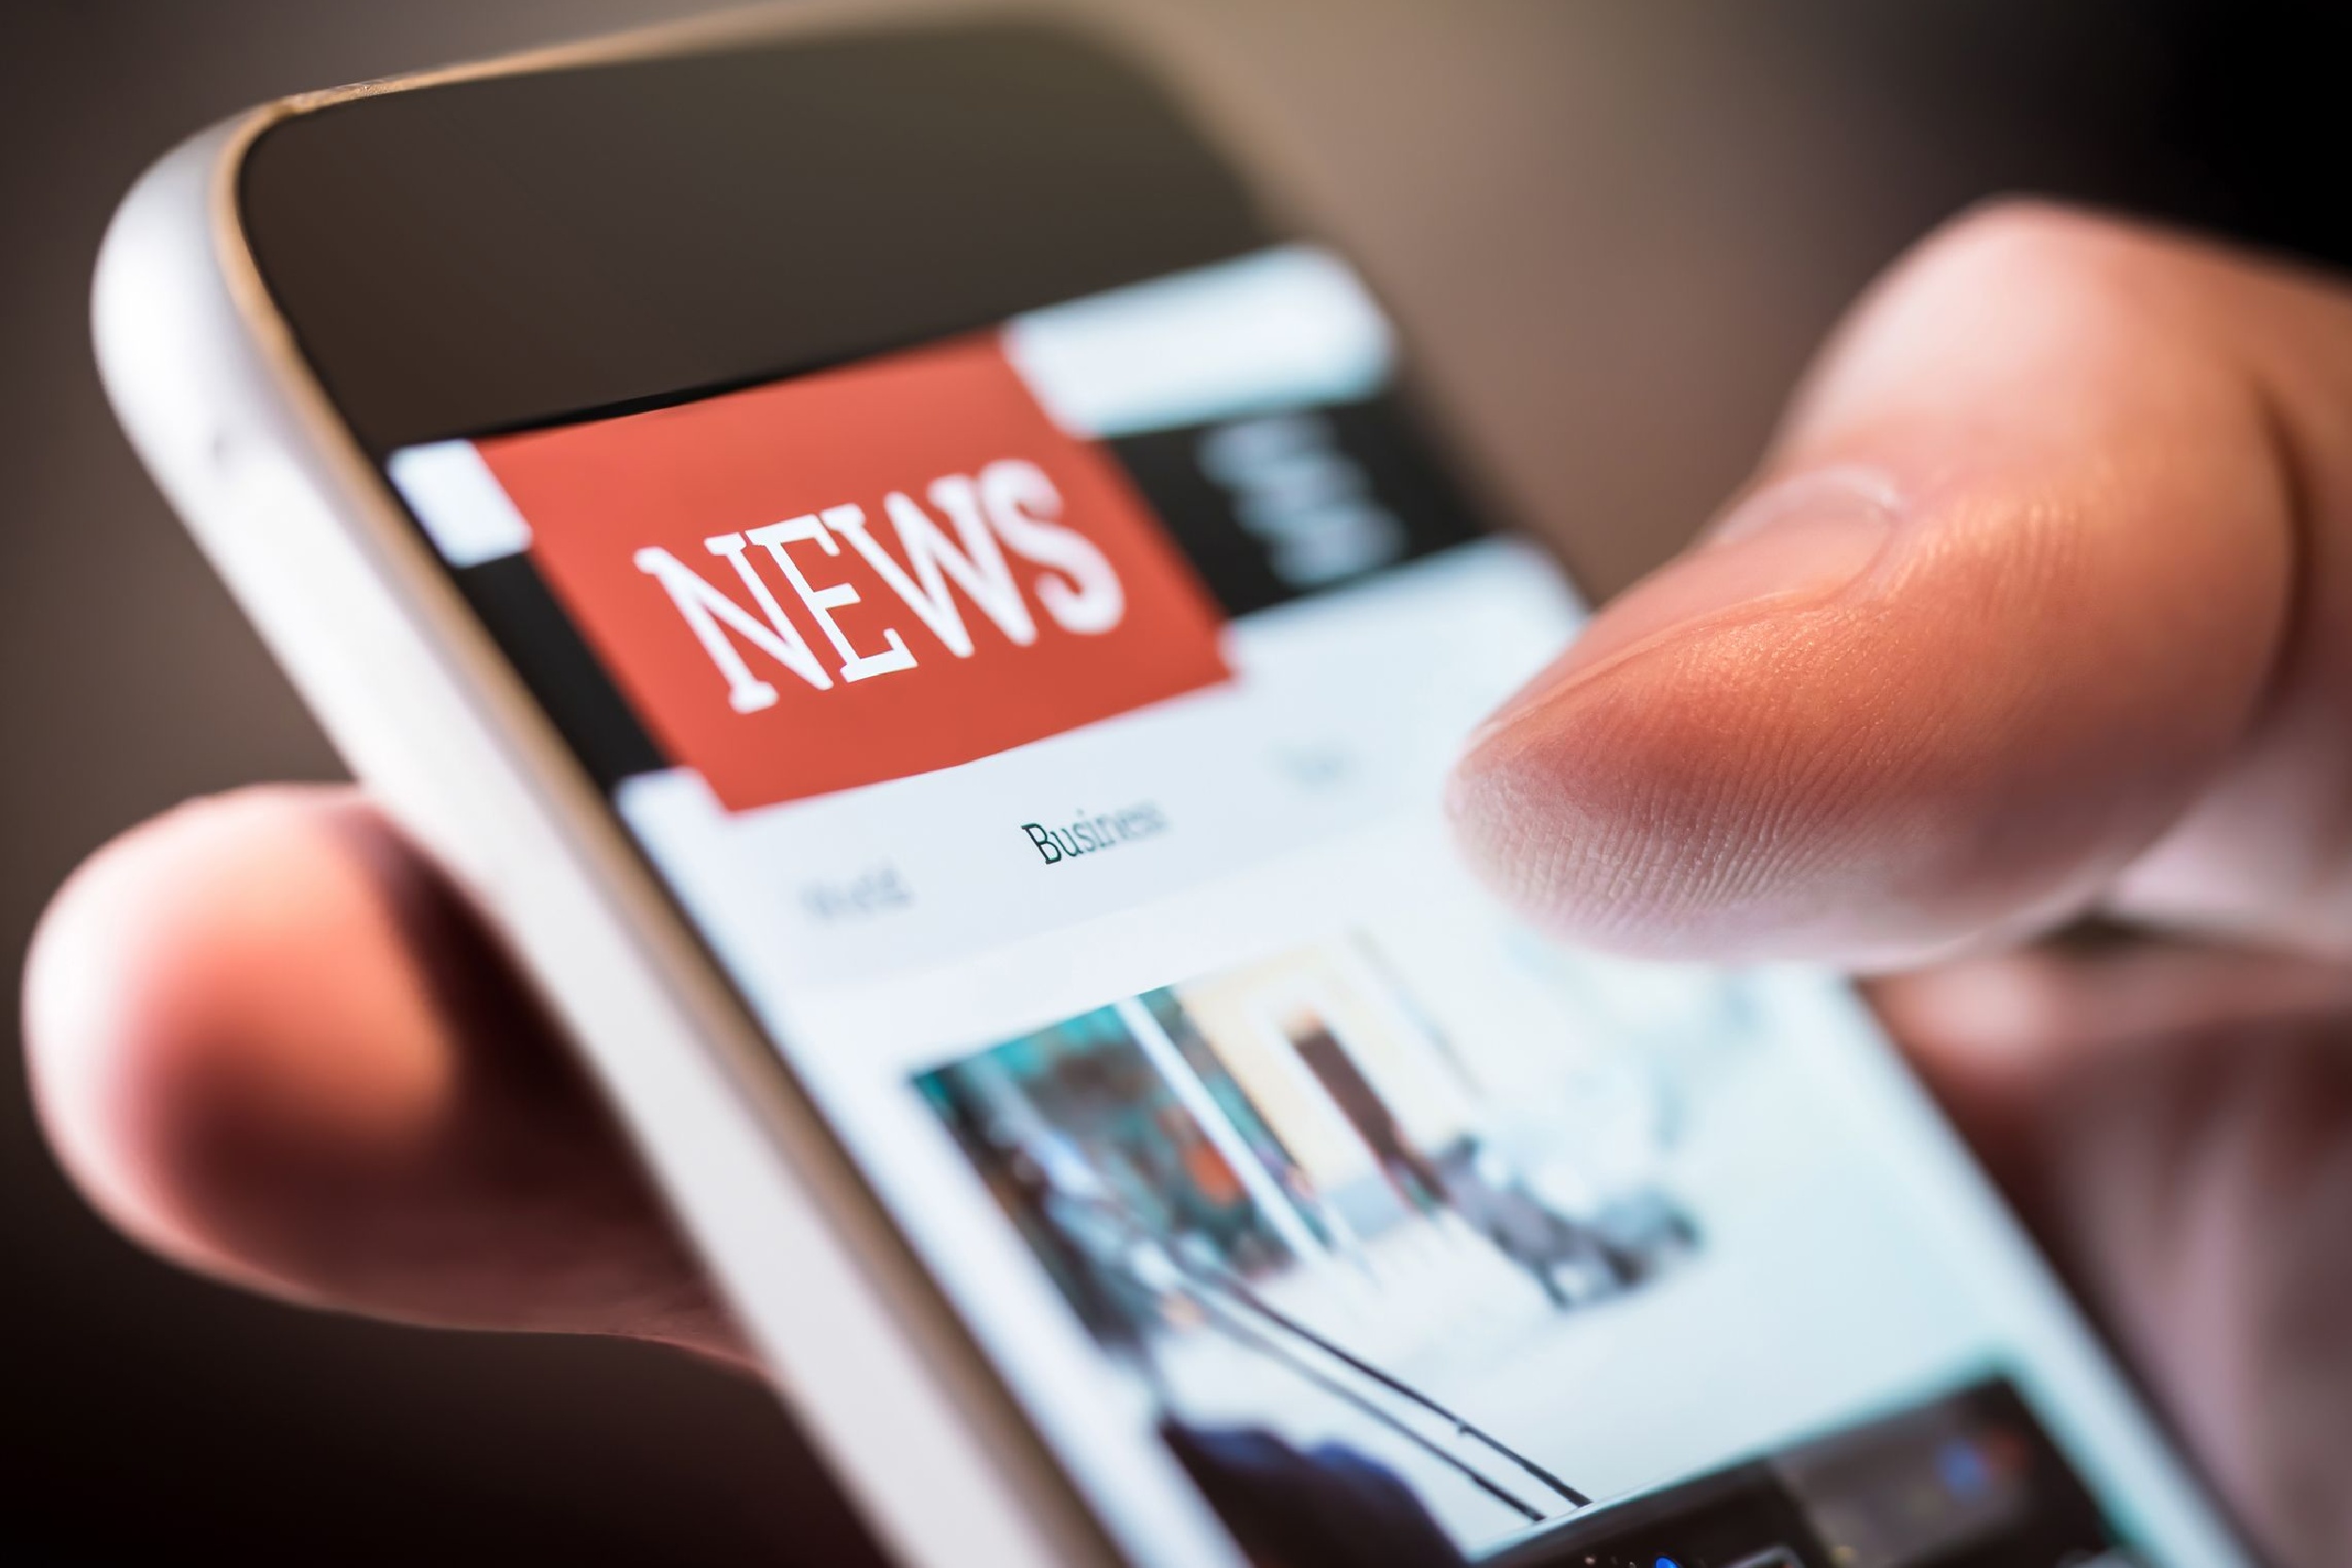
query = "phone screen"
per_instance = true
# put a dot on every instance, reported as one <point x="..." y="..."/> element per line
<point x="1047" y="727"/>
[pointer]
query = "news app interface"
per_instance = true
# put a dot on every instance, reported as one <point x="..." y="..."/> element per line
<point x="1046" y="728"/>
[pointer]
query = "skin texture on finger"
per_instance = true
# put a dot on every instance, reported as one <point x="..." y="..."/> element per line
<point x="271" y="1042"/>
<point x="2177" y="1125"/>
<point x="2034" y="607"/>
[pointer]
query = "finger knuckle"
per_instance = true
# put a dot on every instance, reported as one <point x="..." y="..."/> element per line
<point x="2027" y="241"/>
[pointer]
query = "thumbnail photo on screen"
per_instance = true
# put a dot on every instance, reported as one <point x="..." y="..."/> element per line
<point x="1285" y="1198"/>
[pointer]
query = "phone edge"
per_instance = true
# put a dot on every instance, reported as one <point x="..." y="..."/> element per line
<point x="224" y="413"/>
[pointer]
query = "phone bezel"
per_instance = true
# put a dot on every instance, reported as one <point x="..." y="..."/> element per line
<point x="465" y="255"/>
<point x="1011" y="1499"/>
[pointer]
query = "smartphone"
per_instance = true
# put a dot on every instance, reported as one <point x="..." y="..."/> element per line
<point x="930" y="619"/>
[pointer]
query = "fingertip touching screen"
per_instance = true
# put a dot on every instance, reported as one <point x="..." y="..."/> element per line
<point x="1045" y="725"/>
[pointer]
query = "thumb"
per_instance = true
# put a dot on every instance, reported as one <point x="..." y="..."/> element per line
<point x="2041" y="602"/>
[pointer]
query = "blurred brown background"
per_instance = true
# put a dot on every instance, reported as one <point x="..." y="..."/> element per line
<point x="1613" y="228"/>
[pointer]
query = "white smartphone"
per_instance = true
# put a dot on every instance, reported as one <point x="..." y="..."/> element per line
<point x="928" y="618"/>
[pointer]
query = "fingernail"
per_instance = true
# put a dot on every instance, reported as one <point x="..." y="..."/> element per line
<point x="1804" y="538"/>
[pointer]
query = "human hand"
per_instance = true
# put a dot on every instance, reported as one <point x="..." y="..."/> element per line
<point x="2038" y="610"/>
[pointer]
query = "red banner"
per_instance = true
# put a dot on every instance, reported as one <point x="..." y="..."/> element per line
<point x="859" y="574"/>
